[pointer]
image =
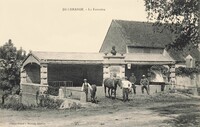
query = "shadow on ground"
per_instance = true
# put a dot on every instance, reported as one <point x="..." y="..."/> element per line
<point x="182" y="115"/>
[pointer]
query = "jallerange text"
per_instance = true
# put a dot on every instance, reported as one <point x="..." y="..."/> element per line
<point x="83" y="9"/>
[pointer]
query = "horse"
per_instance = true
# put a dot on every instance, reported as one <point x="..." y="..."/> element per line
<point x="111" y="84"/>
<point x="93" y="93"/>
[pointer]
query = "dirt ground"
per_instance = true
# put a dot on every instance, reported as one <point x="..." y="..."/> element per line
<point x="159" y="110"/>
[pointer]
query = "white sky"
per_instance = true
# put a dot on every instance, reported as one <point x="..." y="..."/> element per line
<point x="41" y="25"/>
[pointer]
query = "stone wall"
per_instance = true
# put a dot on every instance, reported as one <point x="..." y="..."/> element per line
<point x="30" y="93"/>
<point x="189" y="82"/>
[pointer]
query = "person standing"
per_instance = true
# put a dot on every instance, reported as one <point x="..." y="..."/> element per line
<point x="126" y="85"/>
<point x="144" y="82"/>
<point x="132" y="79"/>
<point x="85" y="87"/>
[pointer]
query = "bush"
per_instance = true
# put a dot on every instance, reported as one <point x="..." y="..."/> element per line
<point x="182" y="71"/>
<point x="53" y="90"/>
<point x="13" y="102"/>
<point x="16" y="106"/>
<point x="50" y="103"/>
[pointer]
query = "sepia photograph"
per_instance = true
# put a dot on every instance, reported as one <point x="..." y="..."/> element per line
<point x="99" y="63"/>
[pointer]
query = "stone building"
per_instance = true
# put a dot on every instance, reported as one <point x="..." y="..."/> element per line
<point x="139" y="46"/>
<point x="145" y="46"/>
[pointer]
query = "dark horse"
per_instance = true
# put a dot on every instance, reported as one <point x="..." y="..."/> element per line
<point x="111" y="84"/>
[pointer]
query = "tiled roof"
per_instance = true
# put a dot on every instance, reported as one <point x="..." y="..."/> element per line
<point x="142" y="34"/>
<point x="98" y="58"/>
<point x="147" y="57"/>
<point x="139" y="34"/>
<point x="67" y="56"/>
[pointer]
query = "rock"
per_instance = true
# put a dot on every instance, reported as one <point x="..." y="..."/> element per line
<point x="70" y="104"/>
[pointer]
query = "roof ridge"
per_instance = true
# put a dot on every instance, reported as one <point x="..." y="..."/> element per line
<point x="145" y="22"/>
<point x="65" y="52"/>
<point x="105" y="36"/>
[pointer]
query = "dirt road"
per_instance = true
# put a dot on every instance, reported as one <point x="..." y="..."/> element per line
<point x="110" y="113"/>
<point x="131" y="117"/>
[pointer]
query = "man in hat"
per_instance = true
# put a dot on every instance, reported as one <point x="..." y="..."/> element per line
<point x="126" y="86"/>
<point x="85" y="87"/>
<point x="132" y="79"/>
<point x="144" y="82"/>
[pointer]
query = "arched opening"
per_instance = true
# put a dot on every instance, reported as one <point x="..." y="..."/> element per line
<point x="32" y="73"/>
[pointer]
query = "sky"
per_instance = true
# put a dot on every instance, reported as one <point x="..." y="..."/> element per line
<point x="53" y="25"/>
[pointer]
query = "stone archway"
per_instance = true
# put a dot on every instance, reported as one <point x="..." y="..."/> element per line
<point x="32" y="71"/>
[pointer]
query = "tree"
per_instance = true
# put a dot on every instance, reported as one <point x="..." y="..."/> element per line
<point x="10" y="65"/>
<point x="181" y="17"/>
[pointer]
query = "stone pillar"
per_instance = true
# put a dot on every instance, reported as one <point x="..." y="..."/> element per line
<point x="61" y="93"/>
<point x="43" y="76"/>
<point x="193" y="80"/>
<point x="106" y="73"/>
<point x="22" y="75"/>
<point x="122" y="71"/>
<point x="149" y="74"/>
<point x="149" y="78"/>
<point x="83" y="97"/>
<point x="172" y="76"/>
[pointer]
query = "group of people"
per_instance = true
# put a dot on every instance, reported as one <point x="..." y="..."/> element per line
<point x="127" y="86"/>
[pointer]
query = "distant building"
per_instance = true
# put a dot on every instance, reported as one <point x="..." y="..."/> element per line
<point x="187" y="53"/>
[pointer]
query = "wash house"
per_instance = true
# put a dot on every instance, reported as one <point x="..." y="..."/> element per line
<point x="43" y="71"/>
